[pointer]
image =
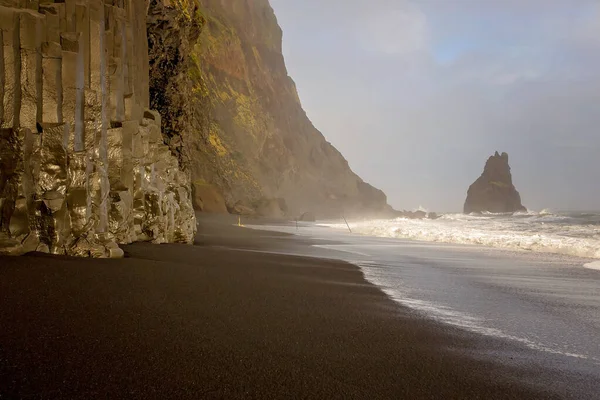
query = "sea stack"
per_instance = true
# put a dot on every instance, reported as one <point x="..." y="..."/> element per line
<point x="494" y="191"/>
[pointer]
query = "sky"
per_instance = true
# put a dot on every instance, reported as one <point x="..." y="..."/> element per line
<point x="417" y="94"/>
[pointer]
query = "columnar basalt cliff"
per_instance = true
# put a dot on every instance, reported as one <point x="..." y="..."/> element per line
<point x="494" y="190"/>
<point x="83" y="164"/>
<point x="256" y="143"/>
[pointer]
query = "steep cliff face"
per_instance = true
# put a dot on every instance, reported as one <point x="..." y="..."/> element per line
<point x="256" y="142"/>
<point x="494" y="191"/>
<point x="83" y="165"/>
<point x="173" y="29"/>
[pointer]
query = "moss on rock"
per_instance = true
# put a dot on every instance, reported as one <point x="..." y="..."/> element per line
<point x="251" y="137"/>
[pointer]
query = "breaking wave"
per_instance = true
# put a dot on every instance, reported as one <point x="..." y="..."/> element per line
<point x="593" y="265"/>
<point x="574" y="234"/>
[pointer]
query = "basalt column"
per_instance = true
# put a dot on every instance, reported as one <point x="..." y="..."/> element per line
<point x="83" y="166"/>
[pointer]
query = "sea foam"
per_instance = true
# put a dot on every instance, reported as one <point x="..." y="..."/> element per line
<point x="447" y="315"/>
<point x="573" y="235"/>
<point x="594" y="265"/>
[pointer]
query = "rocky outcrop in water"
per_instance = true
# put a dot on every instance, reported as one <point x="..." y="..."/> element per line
<point x="415" y="214"/>
<point x="253" y="140"/>
<point x="83" y="164"/>
<point x="494" y="190"/>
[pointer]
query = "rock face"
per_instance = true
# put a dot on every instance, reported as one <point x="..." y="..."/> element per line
<point x="208" y="199"/>
<point x="252" y="138"/>
<point x="494" y="191"/>
<point x="83" y="165"/>
<point x="271" y="208"/>
<point x="173" y="29"/>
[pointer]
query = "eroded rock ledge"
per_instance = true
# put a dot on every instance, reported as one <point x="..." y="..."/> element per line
<point x="83" y="164"/>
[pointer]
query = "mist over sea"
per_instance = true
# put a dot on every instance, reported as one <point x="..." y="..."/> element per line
<point x="568" y="233"/>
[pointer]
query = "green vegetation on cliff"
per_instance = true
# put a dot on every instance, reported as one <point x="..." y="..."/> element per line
<point x="250" y="137"/>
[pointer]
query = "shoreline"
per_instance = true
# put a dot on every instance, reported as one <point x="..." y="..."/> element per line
<point x="204" y="321"/>
<point x="511" y="233"/>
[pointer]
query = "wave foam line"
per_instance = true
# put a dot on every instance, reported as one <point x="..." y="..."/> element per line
<point x="458" y="319"/>
<point x="572" y="241"/>
<point x="594" y="265"/>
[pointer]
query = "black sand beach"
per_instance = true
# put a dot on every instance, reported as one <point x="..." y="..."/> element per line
<point x="217" y="321"/>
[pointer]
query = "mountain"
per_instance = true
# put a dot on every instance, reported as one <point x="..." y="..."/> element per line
<point x="251" y="138"/>
<point x="494" y="191"/>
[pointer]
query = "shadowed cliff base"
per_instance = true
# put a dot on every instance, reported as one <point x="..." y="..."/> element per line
<point x="212" y="321"/>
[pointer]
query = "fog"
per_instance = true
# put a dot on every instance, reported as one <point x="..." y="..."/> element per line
<point x="417" y="94"/>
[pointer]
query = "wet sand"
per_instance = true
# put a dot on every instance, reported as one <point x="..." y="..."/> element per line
<point x="224" y="320"/>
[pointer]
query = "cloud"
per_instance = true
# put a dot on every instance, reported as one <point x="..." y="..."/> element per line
<point x="401" y="30"/>
<point x="590" y="27"/>
<point x="417" y="95"/>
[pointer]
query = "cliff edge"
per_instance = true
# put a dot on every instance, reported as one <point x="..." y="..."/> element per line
<point x="253" y="141"/>
<point x="494" y="191"/>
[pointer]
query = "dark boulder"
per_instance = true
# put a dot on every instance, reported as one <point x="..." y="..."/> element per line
<point x="419" y="214"/>
<point x="411" y="214"/>
<point x="242" y="208"/>
<point x="494" y="191"/>
<point x="207" y="198"/>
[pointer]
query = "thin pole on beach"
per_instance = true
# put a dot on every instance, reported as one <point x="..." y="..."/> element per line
<point x="347" y="224"/>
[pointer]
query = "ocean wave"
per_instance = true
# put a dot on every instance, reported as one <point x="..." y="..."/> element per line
<point x="537" y="232"/>
<point x="450" y="316"/>
<point x="594" y="265"/>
